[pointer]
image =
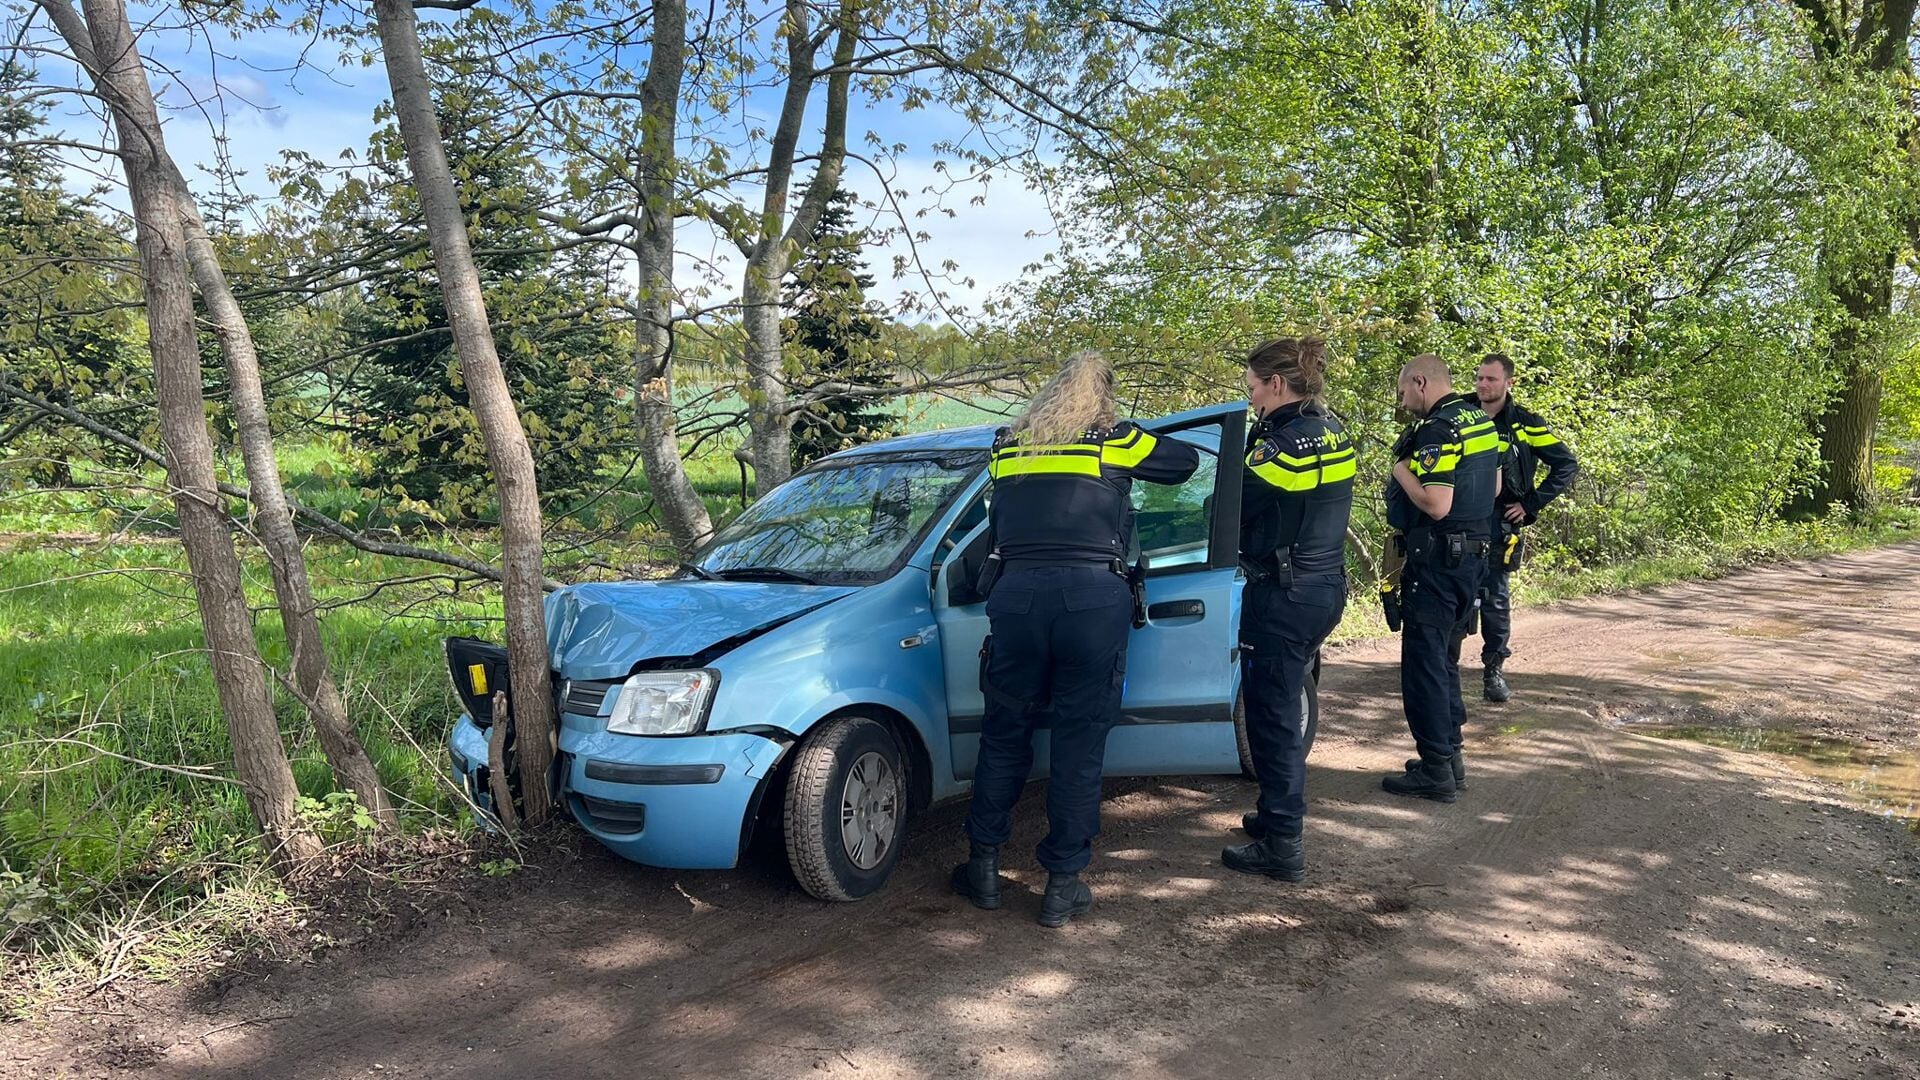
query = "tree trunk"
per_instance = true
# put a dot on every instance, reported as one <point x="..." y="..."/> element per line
<point x="274" y="521"/>
<point x="240" y="677"/>
<point x="656" y="426"/>
<point x="770" y="425"/>
<point x="1876" y="37"/>
<point x="492" y="402"/>
<point x="770" y="249"/>
<point x="1852" y="414"/>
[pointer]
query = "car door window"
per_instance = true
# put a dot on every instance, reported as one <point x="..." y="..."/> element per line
<point x="1175" y="522"/>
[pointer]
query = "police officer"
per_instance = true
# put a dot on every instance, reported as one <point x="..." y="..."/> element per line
<point x="1296" y="494"/>
<point x="1058" y="609"/>
<point x="1440" y="501"/>
<point x="1526" y="443"/>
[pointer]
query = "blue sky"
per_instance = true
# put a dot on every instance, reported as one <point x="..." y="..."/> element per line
<point x="273" y="91"/>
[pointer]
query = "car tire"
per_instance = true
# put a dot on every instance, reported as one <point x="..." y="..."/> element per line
<point x="1311" y="691"/>
<point x="844" y="816"/>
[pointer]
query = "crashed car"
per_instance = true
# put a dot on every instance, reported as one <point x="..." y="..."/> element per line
<point x="815" y="669"/>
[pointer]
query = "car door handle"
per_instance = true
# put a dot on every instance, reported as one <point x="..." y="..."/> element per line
<point x="1177" y="609"/>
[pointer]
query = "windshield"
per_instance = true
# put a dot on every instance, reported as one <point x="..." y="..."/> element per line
<point x="841" y="522"/>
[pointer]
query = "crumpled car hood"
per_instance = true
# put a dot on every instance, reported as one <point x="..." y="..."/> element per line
<point x="601" y="630"/>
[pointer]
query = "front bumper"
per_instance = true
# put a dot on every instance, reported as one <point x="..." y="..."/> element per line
<point x="682" y="802"/>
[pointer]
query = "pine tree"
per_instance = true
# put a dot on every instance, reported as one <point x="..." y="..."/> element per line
<point x="836" y="332"/>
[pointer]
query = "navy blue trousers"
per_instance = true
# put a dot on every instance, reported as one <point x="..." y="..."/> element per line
<point x="1058" y="655"/>
<point x="1496" y="619"/>
<point x="1280" y="631"/>
<point x="1437" y="605"/>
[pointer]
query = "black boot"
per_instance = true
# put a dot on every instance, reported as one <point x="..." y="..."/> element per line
<point x="1279" y="857"/>
<point x="1493" y="684"/>
<point x="978" y="879"/>
<point x="1250" y="824"/>
<point x="1425" y="780"/>
<point x="1066" y="897"/>
<point x="1458" y="762"/>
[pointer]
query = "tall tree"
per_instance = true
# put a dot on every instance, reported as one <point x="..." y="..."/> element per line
<point x="1865" y="53"/>
<point x="273" y="517"/>
<point x="836" y="337"/>
<point x="491" y="399"/>
<point x="657" y="198"/>
<point x="557" y="346"/>
<point x="105" y="46"/>
<point x="770" y="238"/>
<point x="67" y="328"/>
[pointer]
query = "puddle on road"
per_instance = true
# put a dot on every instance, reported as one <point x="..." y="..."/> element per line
<point x="1884" y="783"/>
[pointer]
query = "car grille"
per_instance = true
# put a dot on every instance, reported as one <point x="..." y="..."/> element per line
<point x="586" y="696"/>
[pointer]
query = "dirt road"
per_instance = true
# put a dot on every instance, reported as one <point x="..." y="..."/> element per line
<point x="1601" y="903"/>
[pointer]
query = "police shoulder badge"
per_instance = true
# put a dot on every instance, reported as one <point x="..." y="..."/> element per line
<point x="1429" y="456"/>
<point x="1263" y="452"/>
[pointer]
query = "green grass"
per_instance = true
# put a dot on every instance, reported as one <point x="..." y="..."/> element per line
<point x="102" y="656"/>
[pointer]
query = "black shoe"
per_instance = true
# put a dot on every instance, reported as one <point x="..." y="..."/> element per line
<point x="1279" y="857"/>
<point x="978" y="879"/>
<point x="1493" y="684"/>
<point x="1250" y="824"/>
<point x="1425" y="780"/>
<point x="1457" y="762"/>
<point x="1066" y="897"/>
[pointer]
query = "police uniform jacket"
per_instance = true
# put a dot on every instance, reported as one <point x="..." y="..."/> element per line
<point x="1072" y="502"/>
<point x="1455" y="445"/>
<point x="1296" y="493"/>
<point x="1526" y="443"/>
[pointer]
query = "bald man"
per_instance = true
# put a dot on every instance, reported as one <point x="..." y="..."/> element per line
<point x="1446" y="474"/>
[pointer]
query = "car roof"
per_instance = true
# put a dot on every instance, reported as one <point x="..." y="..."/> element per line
<point x="980" y="436"/>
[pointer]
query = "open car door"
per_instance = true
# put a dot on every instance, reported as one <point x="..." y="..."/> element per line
<point x="1177" y="706"/>
<point x="1176" y="713"/>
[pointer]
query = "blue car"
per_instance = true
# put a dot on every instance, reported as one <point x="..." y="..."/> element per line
<point x="815" y="669"/>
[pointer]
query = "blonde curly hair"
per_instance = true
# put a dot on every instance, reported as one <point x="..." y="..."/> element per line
<point x="1079" y="398"/>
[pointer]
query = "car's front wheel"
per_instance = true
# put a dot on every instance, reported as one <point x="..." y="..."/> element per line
<point x="845" y="812"/>
<point x="1309" y="701"/>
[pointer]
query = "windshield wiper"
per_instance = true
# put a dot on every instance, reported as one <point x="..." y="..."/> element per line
<point x="700" y="572"/>
<point x="772" y="573"/>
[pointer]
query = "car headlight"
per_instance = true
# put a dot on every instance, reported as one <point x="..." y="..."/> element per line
<point x="663" y="703"/>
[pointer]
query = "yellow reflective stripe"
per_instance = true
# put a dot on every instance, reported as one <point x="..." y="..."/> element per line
<point x="1126" y="454"/>
<point x="1340" y="470"/>
<point x="1048" y="448"/>
<point x="1287" y="479"/>
<point x="1537" y="437"/>
<point x="1044" y="464"/>
<point x="1480" y="444"/>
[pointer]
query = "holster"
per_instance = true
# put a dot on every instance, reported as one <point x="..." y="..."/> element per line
<point x="1512" y="548"/>
<point x="1473" y="614"/>
<point x="1276" y="569"/>
<point x="1390" y="604"/>
<point x="1136" y="576"/>
<point x="989" y="573"/>
<point x="1392" y="565"/>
